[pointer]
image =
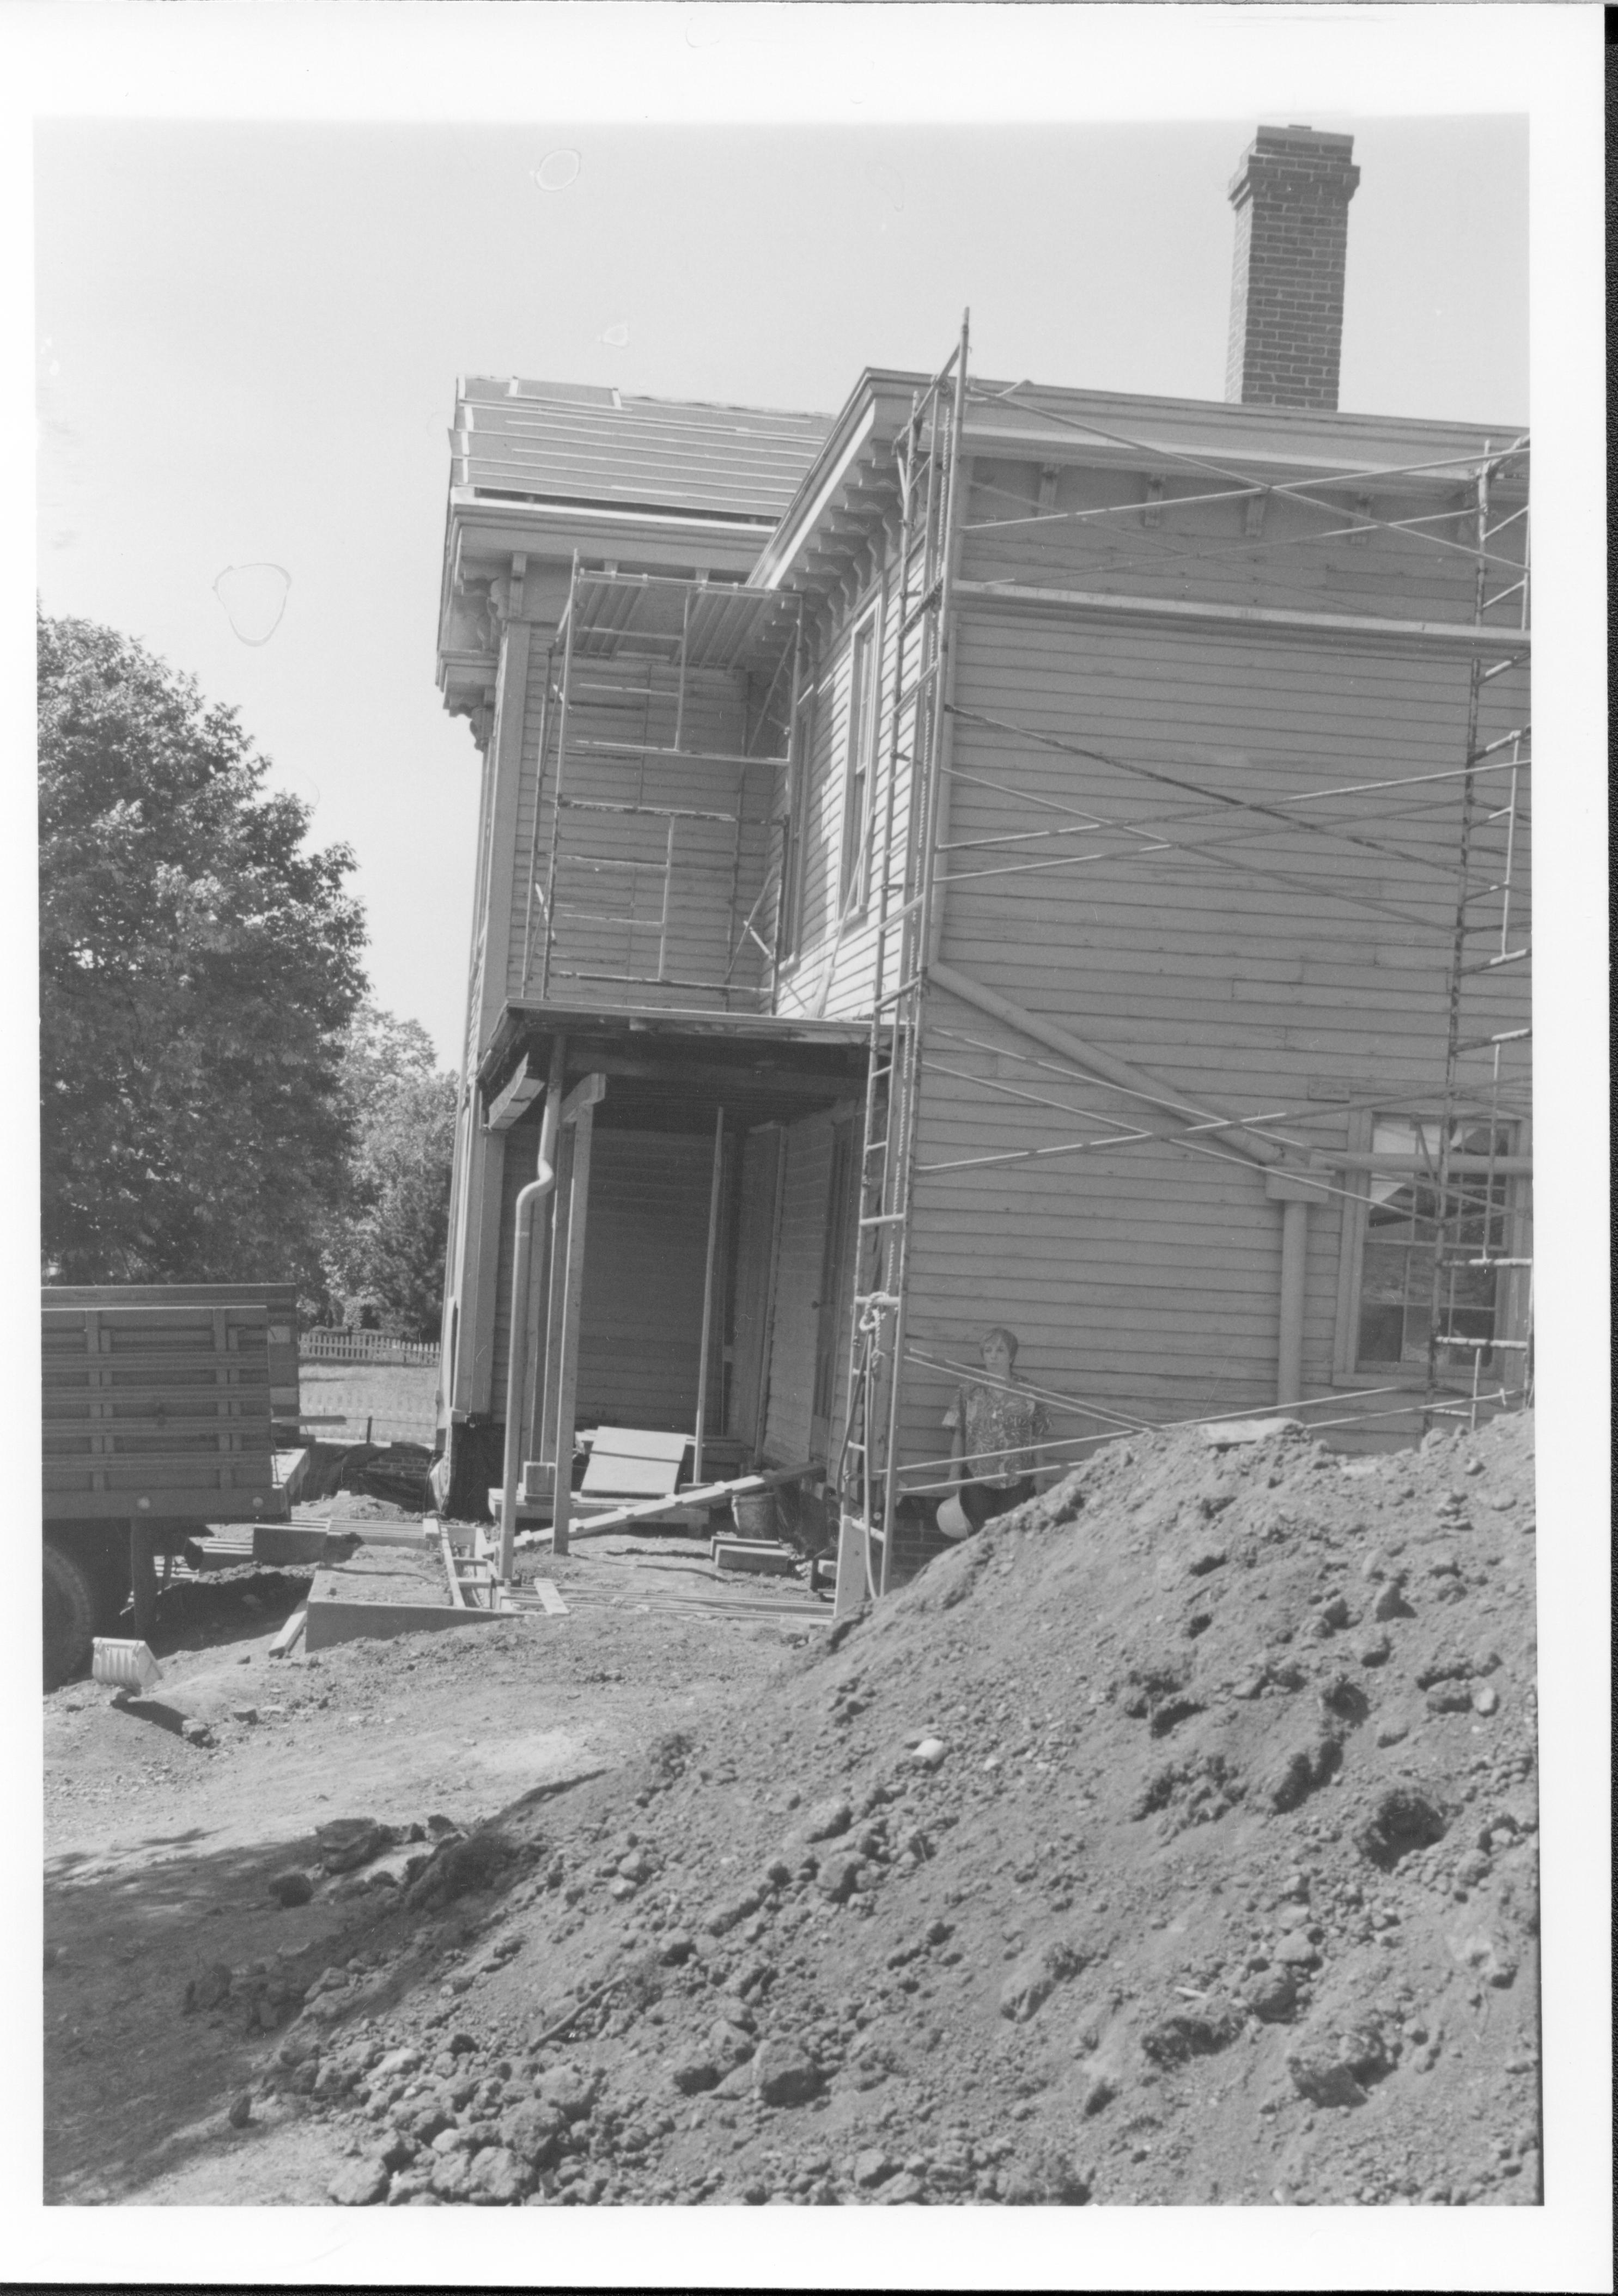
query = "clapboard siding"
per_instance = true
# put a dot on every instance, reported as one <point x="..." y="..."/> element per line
<point x="640" y="1338"/>
<point x="1216" y="944"/>
<point x="832" y="965"/>
<point x="1147" y="1275"/>
<point x="1099" y="542"/>
<point x="645" y="1238"/>
<point x="801" y="1252"/>
<point x="1146" y="1278"/>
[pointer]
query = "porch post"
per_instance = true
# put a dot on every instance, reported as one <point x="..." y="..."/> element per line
<point x="707" y="1272"/>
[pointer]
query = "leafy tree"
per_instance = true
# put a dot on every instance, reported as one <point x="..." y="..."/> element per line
<point x="389" y="1246"/>
<point x="198" y="970"/>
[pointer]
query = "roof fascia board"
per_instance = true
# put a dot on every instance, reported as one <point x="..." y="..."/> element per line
<point x="467" y="505"/>
<point x="799" y="522"/>
<point x="645" y="1024"/>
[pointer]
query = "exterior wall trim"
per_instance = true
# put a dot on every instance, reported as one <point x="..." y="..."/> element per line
<point x="1461" y="637"/>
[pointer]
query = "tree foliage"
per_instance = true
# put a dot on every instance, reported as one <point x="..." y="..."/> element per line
<point x="389" y="1245"/>
<point x="199" y="967"/>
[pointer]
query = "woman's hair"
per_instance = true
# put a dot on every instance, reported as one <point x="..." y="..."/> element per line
<point x="999" y="1332"/>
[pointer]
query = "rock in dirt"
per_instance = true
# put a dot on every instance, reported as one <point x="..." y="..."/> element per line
<point x="291" y="1889"/>
<point x="1272" y="1994"/>
<point x="360" y="2184"/>
<point x="533" y="2132"/>
<point x="1047" y="2177"/>
<point x="241" y="2111"/>
<point x="784" y="2073"/>
<point x="720" y="1919"/>
<point x="837" y="1877"/>
<point x="207" y="1991"/>
<point x="1403" y="1820"/>
<point x="825" y="1820"/>
<point x="1336" y="2066"/>
<point x="571" y="2093"/>
<point x="1297" y="1773"/>
<point x="693" y="2072"/>
<point x="498" y="2178"/>
<point x="451" y="2176"/>
<point x="1199" y="2031"/>
<point x="1036" y="1976"/>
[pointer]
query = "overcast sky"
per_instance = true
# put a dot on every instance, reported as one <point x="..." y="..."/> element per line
<point x="249" y="336"/>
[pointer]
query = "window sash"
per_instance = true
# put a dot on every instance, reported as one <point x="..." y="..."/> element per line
<point x="1390" y="1271"/>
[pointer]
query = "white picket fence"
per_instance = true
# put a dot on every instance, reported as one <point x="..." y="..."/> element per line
<point x="320" y="1345"/>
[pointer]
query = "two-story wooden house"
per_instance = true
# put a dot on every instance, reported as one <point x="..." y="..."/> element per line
<point x="1006" y="854"/>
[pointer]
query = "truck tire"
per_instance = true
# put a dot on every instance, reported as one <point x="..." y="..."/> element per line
<point x="69" y="1616"/>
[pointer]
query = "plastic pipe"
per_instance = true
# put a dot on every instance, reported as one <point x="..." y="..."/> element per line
<point x="523" y="1252"/>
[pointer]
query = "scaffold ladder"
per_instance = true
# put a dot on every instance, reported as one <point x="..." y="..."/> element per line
<point x="1474" y="1269"/>
<point x="928" y="457"/>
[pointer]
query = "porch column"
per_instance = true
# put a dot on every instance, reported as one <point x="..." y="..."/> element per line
<point x="1294" y="1195"/>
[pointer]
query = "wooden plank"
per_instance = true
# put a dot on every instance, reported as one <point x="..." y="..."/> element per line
<point x="550" y="1598"/>
<point x="524" y="1087"/>
<point x="680" y="1508"/>
<point x="290" y="1635"/>
<point x="347" y="1622"/>
<point x="765" y="1561"/>
<point x="638" y="1443"/>
<point x="586" y="1094"/>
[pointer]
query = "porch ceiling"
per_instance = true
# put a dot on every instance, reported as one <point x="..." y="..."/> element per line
<point x="669" y="1072"/>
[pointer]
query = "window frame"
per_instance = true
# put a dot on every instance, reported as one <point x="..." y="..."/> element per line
<point x="859" y="763"/>
<point x="794" y="820"/>
<point x="1510" y="1300"/>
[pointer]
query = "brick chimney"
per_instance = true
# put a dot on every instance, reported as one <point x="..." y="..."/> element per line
<point x="1291" y="196"/>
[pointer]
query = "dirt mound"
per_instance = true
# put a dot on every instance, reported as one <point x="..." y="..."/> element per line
<point x="1172" y="1841"/>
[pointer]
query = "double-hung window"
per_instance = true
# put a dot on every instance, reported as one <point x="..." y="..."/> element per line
<point x="1454" y="1254"/>
<point x="854" y="876"/>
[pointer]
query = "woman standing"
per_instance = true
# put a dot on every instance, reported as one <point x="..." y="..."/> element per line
<point x="996" y="1428"/>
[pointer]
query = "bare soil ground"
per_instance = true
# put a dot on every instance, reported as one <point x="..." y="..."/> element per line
<point x="1174" y="1840"/>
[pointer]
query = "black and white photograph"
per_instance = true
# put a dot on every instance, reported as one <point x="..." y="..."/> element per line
<point x="808" y="1439"/>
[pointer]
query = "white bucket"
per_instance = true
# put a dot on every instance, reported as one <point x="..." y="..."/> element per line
<point x="953" y="1521"/>
<point x="123" y="1665"/>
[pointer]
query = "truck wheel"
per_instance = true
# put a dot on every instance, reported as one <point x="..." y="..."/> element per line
<point x="69" y="1616"/>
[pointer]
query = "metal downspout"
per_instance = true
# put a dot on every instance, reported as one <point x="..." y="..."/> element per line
<point x="516" y="1365"/>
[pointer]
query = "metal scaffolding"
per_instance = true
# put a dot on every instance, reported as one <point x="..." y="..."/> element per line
<point x="928" y="457"/>
<point x="643" y="673"/>
<point x="1462" y="1219"/>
